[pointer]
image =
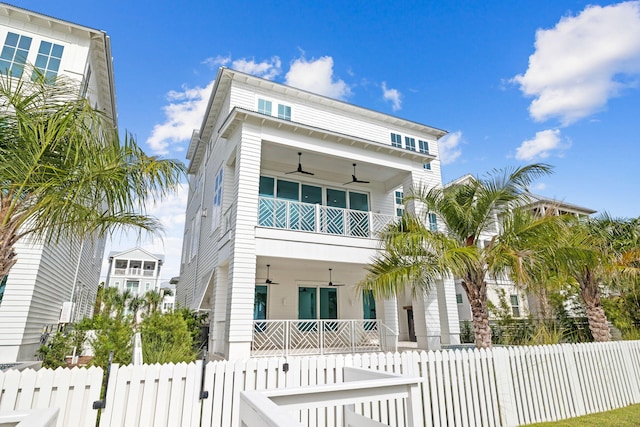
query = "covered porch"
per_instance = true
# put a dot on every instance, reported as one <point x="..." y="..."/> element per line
<point x="306" y="307"/>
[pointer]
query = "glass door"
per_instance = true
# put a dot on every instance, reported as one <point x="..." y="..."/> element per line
<point x="334" y="221"/>
<point x="310" y="196"/>
<point x="287" y="215"/>
<point x="358" y="214"/>
<point x="260" y="307"/>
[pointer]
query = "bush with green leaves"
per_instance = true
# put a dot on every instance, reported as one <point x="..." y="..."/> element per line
<point x="166" y="339"/>
<point x="53" y="353"/>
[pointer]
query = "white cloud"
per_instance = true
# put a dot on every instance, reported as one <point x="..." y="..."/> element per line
<point x="541" y="145"/>
<point x="183" y="114"/>
<point x="392" y="95"/>
<point x="317" y="76"/>
<point x="217" y="61"/>
<point x="538" y="186"/>
<point x="448" y="147"/>
<point x="268" y="69"/>
<point x="582" y="62"/>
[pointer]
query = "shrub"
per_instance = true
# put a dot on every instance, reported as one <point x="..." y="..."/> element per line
<point x="166" y="339"/>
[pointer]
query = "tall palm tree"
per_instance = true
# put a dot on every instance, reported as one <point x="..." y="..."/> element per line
<point x="121" y="302"/>
<point x="65" y="173"/>
<point x="471" y="210"/>
<point x="136" y="304"/>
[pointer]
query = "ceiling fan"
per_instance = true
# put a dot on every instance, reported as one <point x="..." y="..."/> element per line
<point x="269" y="281"/>
<point x="331" y="282"/>
<point x="300" y="170"/>
<point x="354" y="179"/>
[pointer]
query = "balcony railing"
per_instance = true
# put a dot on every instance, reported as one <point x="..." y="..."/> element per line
<point x="134" y="272"/>
<point x="303" y="337"/>
<point x="274" y="213"/>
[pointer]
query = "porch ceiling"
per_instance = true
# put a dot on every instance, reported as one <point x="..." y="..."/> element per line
<point x="348" y="274"/>
<point x="328" y="168"/>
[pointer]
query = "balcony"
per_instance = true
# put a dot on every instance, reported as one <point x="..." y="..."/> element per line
<point x="315" y="218"/>
<point x="133" y="272"/>
<point x="305" y="337"/>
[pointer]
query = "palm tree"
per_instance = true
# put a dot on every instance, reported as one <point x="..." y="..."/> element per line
<point x="153" y="299"/>
<point x="598" y="252"/>
<point x="65" y="173"/>
<point x="121" y="302"/>
<point x="136" y="304"/>
<point x="472" y="210"/>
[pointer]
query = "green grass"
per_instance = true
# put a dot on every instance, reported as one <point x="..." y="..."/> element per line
<point x="623" y="417"/>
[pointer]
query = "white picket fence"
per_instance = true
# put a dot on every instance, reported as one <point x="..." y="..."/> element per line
<point x="502" y="387"/>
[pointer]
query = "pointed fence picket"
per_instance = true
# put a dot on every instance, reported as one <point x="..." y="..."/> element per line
<point x="500" y="387"/>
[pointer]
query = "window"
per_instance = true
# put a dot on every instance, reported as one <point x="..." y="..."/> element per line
<point x="410" y="143"/>
<point x="195" y="236"/>
<point x="48" y="60"/>
<point x="284" y="112"/>
<point x="132" y="285"/>
<point x="14" y="54"/>
<point x="433" y="222"/>
<point x="423" y="146"/>
<point x="396" y="140"/>
<point x="216" y="209"/>
<point x="515" y="305"/>
<point x="399" y="196"/>
<point x="264" y="107"/>
<point x="3" y="286"/>
<point x="427" y="166"/>
<point x="459" y="298"/>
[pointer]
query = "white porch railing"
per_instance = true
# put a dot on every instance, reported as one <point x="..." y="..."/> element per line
<point x="361" y="387"/>
<point x="274" y="213"/>
<point x="303" y="337"/>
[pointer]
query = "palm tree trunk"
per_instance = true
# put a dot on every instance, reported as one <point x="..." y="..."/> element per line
<point x="7" y="252"/>
<point x="477" y="295"/>
<point x="598" y="324"/>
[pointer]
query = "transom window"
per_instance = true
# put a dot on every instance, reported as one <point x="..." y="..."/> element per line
<point x="14" y="54"/>
<point x="48" y="60"/>
<point x="410" y="143"/>
<point x="396" y="140"/>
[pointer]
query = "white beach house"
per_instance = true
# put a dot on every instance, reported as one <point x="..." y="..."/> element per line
<point x="287" y="192"/>
<point x="48" y="275"/>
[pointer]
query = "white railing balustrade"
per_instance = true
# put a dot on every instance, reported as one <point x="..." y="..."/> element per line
<point x="288" y="215"/>
<point x="361" y="388"/>
<point x="302" y="337"/>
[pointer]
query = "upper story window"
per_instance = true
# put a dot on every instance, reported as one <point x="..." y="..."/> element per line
<point x="410" y="143"/>
<point x="396" y="140"/>
<point x="426" y="166"/>
<point x="433" y="222"/>
<point x="48" y="60"/>
<point x="264" y="106"/>
<point x="216" y="209"/>
<point x="423" y="146"/>
<point x="284" y="112"/>
<point x="14" y="54"/>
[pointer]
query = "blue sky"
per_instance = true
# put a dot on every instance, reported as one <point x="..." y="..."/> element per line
<point x="512" y="81"/>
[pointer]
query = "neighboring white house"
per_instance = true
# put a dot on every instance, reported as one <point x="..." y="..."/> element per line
<point x="46" y="275"/>
<point x="168" y="291"/>
<point x="521" y="302"/>
<point x="135" y="270"/>
<point x="287" y="192"/>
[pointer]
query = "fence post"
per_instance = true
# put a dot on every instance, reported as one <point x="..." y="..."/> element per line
<point x="101" y="404"/>
<point x="504" y="387"/>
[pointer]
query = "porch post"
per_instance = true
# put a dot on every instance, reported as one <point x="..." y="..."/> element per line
<point x="390" y="319"/>
<point x="450" y="323"/>
<point x="242" y="259"/>
<point x="426" y="317"/>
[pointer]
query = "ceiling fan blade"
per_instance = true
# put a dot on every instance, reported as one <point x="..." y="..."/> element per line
<point x="307" y="173"/>
<point x="361" y="181"/>
<point x="300" y="170"/>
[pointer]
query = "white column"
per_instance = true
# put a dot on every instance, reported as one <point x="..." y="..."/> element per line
<point x="242" y="260"/>
<point x="390" y="319"/>
<point x="426" y="318"/>
<point x="218" y="316"/>
<point x="449" y="321"/>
